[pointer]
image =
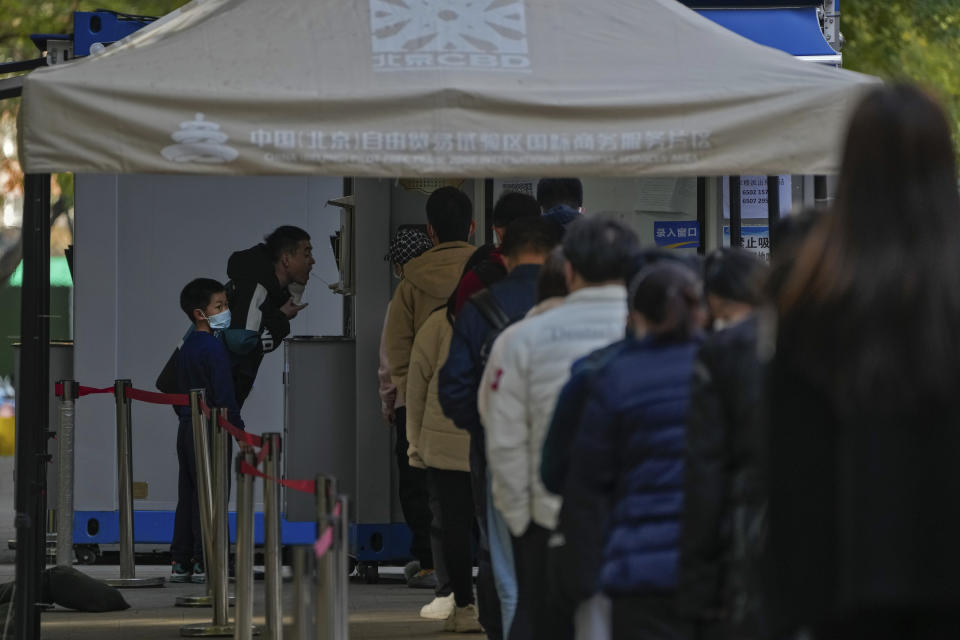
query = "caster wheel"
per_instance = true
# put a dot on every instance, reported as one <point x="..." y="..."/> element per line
<point x="369" y="572"/>
<point x="86" y="554"/>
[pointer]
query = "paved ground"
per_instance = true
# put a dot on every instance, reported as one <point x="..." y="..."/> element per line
<point x="386" y="610"/>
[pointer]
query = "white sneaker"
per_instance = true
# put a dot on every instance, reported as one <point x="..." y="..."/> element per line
<point x="439" y="609"/>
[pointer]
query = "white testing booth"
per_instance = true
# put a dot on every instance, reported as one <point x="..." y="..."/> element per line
<point x="230" y="88"/>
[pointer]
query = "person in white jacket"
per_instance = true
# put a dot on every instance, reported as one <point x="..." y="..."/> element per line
<point x="527" y="368"/>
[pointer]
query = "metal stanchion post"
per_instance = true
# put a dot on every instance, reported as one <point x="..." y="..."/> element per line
<point x="221" y="522"/>
<point x="342" y="547"/>
<point x="65" y="457"/>
<point x="303" y="565"/>
<point x="204" y="476"/>
<point x="326" y="565"/>
<point x="216" y="557"/>
<point x="271" y="522"/>
<point x="125" y="485"/>
<point x="243" y="624"/>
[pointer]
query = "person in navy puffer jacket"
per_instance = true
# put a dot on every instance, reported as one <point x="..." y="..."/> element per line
<point x="630" y="452"/>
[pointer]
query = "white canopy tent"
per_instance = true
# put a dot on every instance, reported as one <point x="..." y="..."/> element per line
<point x="437" y="88"/>
<point x="385" y="88"/>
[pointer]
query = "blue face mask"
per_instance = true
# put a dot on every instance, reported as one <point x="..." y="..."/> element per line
<point x="220" y="321"/>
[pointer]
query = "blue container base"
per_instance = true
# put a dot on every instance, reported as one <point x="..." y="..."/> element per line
<point x="375" y="543"/>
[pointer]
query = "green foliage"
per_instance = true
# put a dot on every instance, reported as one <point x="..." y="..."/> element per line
<point x="915" y="40"/>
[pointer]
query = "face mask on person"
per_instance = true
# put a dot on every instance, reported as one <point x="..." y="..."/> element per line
<point x="220" y="320"/>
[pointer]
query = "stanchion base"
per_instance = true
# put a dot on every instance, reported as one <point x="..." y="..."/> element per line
<point x="206" y="631"/>
<point x="135" y="583"/>
<point x="200" y="601"/>
<point x="212" y="631"/>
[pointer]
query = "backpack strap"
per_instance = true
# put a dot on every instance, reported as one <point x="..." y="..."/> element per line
<point x="490" y="309"/>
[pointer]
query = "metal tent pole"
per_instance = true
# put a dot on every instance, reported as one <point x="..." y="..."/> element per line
<point x="773" y="206"/>
<point x="736" y="226"/>
<point x="33" y="428"/>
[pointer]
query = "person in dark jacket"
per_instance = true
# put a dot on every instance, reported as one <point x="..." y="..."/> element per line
<point x="577" y="552"/>
<point x="527" y="242"/>
<point x="630" y="453"/>
<point x="864" y="438"/>
<point x="203" y="364"/>
<point x="725" y="494"/>
<point x="261" y="279"/>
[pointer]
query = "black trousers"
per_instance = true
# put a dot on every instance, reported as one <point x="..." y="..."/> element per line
<point x="488" y="602"/>
<point x="650" y="618"/>
<point x="454" y="497"/>
<point x="187" y="541"/>
<point x="530" y="561"/>
<point x="414" y="499"/>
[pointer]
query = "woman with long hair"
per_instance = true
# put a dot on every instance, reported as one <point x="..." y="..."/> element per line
<point x="864" y="526"/>
<point x="628" y="454"/>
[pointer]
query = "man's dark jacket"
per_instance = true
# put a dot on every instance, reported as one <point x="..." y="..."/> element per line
<point x="258" y="324"/>
<point x="460" y="376"/>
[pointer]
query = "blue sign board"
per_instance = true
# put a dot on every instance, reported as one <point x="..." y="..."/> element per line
<point x="683" y="234"/>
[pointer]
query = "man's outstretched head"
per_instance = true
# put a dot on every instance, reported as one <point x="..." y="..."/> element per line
<point x="291" y="253"/>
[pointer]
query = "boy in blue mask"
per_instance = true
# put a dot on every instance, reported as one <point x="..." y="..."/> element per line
<point x="204" y="363"/>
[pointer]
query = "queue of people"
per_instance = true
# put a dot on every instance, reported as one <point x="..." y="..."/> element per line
<point x="654" y="446"/>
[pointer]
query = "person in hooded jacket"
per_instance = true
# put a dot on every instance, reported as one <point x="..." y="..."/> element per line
<point x="427" y="284"/>
<point x="265" y="284"/>
<point x="630" y="453"/>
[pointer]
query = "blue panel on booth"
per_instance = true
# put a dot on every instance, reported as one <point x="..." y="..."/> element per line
<point x="796" y="31"/>
<point x="156" y="527"/>
<point x="104" y="27"/>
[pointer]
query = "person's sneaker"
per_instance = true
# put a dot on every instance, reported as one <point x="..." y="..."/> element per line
<point x="463" y="620"/>
<point x="411" y="569"/>
<point x="199" y="573"/>
<point x="179" y="573"/>
<point x="423" y="579"/>
<point x="439" y="609"/>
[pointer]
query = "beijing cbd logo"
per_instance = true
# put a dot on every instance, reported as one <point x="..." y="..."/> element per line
<point x="412" y="35"/>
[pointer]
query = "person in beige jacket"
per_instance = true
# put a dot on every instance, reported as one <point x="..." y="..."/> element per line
<point x="437" y="445"/>
<point x="428" y="280"/>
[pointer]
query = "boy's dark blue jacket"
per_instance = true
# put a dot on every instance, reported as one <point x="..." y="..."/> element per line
<point x="205" y="364"/>
<point x="460" y="376"/>
<point x="630" y="453"/>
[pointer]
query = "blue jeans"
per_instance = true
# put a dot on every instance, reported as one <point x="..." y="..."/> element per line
<point x="501" y="557"/>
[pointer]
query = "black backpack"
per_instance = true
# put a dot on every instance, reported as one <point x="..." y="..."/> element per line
<point x="495" y="316"/>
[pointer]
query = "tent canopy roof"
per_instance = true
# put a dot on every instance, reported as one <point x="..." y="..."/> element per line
<point x="437" y="88"/>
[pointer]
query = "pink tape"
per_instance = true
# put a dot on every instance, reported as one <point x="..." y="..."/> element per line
<point x="325" y="541"/>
